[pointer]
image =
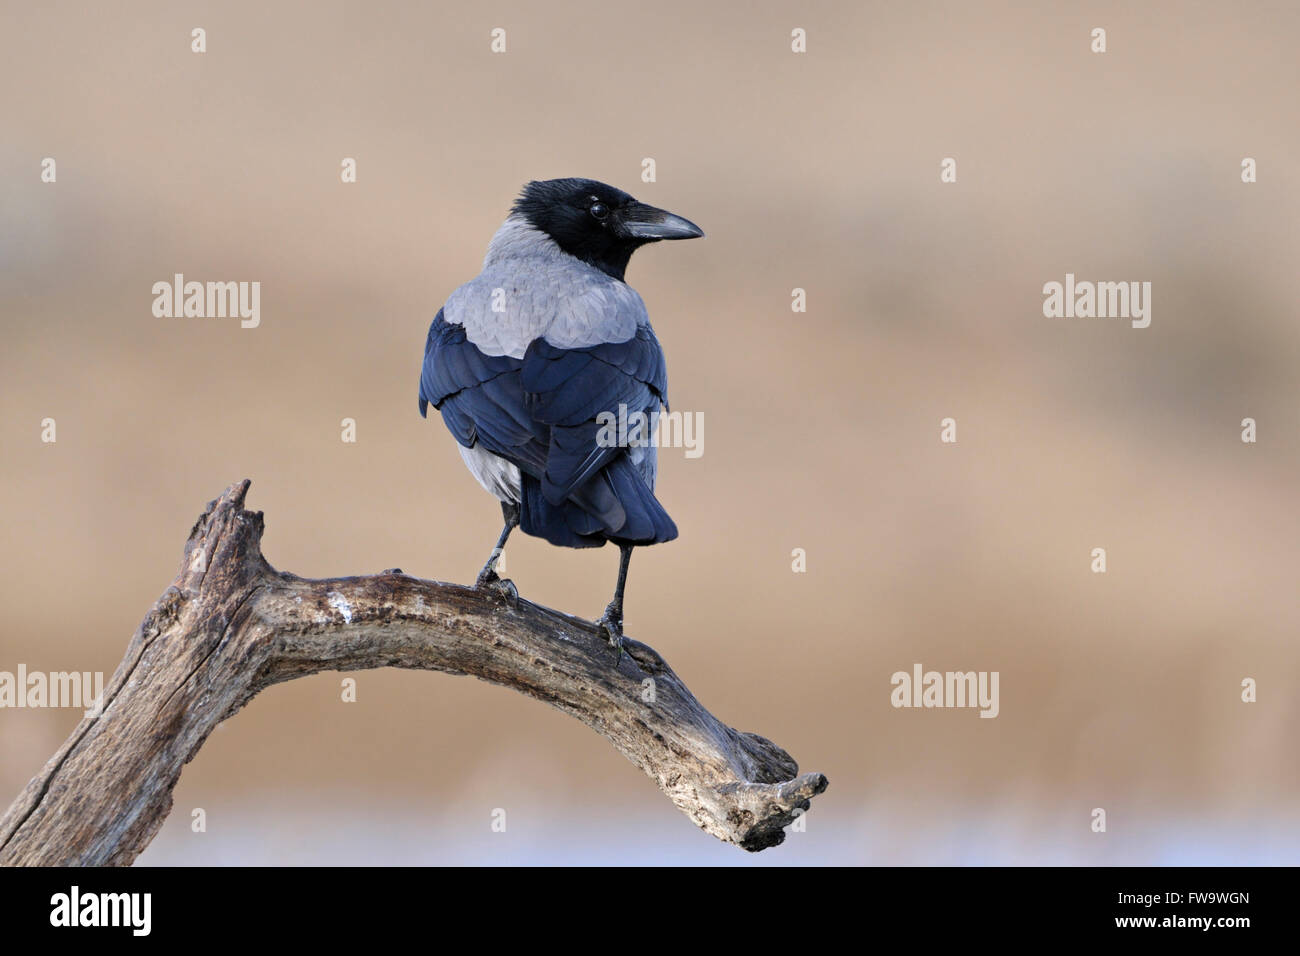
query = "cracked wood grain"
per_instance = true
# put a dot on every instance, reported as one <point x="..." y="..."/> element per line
<point x="230" y="626"/>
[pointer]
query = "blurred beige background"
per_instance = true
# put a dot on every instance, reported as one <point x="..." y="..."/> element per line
<point x="822" y="429"/>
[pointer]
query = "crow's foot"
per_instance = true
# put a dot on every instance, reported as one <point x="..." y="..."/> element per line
<point x="489" y="580"/>
<point x="612" y="623"/>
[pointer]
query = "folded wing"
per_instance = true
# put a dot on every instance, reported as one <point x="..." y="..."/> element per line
<point x="544" y="413"/>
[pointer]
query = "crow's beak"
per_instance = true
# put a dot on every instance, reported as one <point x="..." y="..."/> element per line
<point x="646" y="222"/>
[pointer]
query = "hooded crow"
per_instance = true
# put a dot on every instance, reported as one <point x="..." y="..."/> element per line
<point x="526" y="361"/>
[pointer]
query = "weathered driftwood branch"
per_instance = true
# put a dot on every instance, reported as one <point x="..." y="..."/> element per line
<point x="231" y="625"/>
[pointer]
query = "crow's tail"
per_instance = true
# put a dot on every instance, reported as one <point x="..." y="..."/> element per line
<point x="615" y="505"/>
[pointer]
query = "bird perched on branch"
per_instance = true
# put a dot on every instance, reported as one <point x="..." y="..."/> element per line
<point x="527" y="361"/>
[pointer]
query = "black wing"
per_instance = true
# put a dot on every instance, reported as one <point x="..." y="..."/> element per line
<point x="480" y="397"/>
<point x="568" y="388"/>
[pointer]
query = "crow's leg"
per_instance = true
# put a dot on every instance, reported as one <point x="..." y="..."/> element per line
<point x="612" y="619"/>
<point x="488" y="578"/>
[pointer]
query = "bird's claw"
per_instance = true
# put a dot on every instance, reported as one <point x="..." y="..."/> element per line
<point x="612" y="622"/>
<point x="489" y="580"/>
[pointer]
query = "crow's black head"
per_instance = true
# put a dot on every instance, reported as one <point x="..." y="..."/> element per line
<point x="596" y="223"/>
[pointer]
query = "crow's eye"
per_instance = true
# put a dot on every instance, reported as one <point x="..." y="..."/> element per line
<point x="599" y="210"/>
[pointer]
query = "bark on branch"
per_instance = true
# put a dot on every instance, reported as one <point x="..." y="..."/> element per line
<point x="231" y="625"/>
